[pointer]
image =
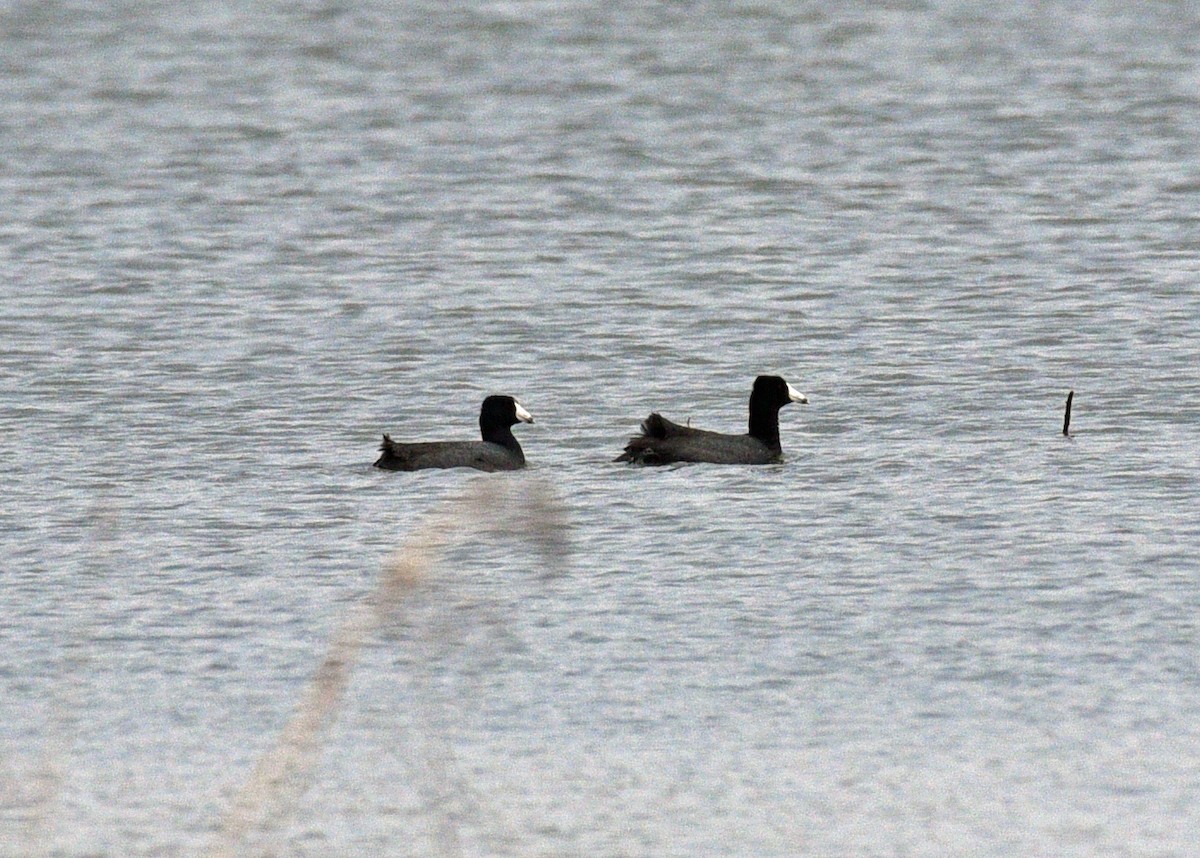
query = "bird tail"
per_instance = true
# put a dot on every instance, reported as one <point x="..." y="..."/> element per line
<point x="653" y="428"/>
<point x="388" y="457"/>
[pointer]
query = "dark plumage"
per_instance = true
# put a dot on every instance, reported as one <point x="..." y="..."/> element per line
<point x="498" y="451"/>
<point x="663" y="442"/>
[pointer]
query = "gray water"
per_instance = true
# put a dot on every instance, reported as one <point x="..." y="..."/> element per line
<point x="241" y="241"/>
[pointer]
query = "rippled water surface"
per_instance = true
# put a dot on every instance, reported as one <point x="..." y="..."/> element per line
<point x="240" y="241"/>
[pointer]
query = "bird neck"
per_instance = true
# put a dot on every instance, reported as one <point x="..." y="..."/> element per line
<point x="764" y="425"/>
<point x="503" y="436"/>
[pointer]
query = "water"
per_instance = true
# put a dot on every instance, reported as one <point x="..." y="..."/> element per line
<point x="241" y="242"/>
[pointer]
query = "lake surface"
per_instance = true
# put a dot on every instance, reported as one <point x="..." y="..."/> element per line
<point x="241" y="241"/>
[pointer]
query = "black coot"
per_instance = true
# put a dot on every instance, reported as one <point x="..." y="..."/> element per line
<point x="498" y="451"/>
<point x="663" y="442"/>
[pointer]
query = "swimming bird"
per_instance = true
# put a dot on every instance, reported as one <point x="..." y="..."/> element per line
<point x="498" y="451"/>
<point x="1067" y="415"/>
<point x="663" y="442"/>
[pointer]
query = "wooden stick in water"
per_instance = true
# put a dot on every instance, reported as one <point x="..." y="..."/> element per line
<point x="1067" y="415"/>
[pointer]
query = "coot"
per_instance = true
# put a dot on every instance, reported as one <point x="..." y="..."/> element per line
<point x="663" y="442"/>
<point x="498" y="451"/>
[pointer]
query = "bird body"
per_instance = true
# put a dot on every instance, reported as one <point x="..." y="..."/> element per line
<point x="420" y="455"/>
<point x="498" y="451"/>
<point x="664" y="442"/>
